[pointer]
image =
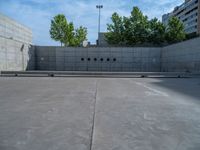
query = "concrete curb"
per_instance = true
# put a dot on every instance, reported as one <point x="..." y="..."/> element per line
<point x="99" y="74"/>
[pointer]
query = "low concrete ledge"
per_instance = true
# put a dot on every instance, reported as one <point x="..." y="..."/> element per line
<point x="99" y="74"/>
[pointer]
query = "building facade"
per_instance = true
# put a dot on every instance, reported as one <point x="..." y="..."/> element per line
<point x="102" y="40"/>
<point x="15" y="44"/>
<point x="188" y="13"/>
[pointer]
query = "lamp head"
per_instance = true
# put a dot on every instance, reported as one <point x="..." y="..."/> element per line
<point x="99" y="6"/>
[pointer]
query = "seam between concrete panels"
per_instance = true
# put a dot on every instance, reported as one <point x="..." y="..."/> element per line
<point x="93" y="117"/>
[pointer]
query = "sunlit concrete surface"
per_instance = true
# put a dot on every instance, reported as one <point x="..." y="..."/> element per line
<point x="99" y="113"/>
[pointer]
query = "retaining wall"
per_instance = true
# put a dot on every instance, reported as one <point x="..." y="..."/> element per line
<point x="97" y="59"/>
<point x="183" y="57"/>
<point x="180" y="57"/>
<point x="15" y="46"/>
<point x="15" y="55"/>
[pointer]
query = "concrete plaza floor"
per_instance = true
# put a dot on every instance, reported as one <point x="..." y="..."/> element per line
<point x="99" y="113"/>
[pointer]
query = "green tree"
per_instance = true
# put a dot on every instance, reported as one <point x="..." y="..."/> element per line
<point x="136" y="27"/>
<point x="65" y="32"/>
<point x="115" y="34"/>
<point x="80" y="36"/>
<point x="156" y="31"/>
<point x="69" y="34"/>
<point x="58" y="28"/>
<point x="128" y="30"/>
<point x="175" y="31"/>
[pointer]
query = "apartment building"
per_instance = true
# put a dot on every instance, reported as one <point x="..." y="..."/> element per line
<point x="188" y="13"/>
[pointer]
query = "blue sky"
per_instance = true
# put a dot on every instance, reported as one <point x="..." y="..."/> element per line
<point x="37" y="14"/>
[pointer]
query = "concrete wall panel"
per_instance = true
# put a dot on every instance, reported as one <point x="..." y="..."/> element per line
<point x="184" y="57"/>
<point x="98" y="59"/>
<point x="15" y="50"/>
<point x="15" y="55"/>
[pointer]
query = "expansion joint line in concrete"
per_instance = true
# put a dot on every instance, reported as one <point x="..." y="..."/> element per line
<point x="93" y="117"/>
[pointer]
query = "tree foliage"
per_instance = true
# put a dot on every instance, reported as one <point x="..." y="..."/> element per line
<point x="175" y="30"/>
<point x="116" y="30"/>
<point x="58" y="27"/>
<point x="65" y="32"/>
<point x="80" y="35"/>
<point x="156" y="31"/>
<point x="137" y="29"/>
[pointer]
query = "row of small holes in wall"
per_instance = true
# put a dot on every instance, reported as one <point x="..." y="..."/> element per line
<point x="95" y="59"/>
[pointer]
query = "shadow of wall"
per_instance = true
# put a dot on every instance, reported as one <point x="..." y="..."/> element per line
<point x="31" y="59"/>
<point x="189" y="87"/>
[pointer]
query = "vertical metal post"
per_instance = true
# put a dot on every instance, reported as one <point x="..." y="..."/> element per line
<point x="99" y="23"/>
<point x="99" y="20"/>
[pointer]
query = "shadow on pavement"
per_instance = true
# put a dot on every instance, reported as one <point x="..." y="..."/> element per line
<point x="184" y="86"/>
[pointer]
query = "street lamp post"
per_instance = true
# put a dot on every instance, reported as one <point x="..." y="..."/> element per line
<point x="99" y="24"/>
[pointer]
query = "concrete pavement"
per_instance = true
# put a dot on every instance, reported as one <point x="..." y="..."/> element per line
<point x="99" y="114"/>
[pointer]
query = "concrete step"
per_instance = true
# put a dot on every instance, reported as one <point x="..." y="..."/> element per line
<point x="98" y="74"/>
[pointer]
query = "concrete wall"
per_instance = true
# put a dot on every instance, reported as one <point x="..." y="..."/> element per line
<point x="15" y="46"/>
<point x="16" y="53"/>
<point x="184" y="56"/>
<point x="11" y="29"/>
<point x="97" y="59"/>
<point x="16" y="56"/>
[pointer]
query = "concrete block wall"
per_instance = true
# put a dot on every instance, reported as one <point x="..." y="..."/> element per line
<point x="180" y="57"/>
<point x="97" y="59"/>
<point x="183" y="57"/>
<point x="16" y="52"/>
<point x="16" y="56"/>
